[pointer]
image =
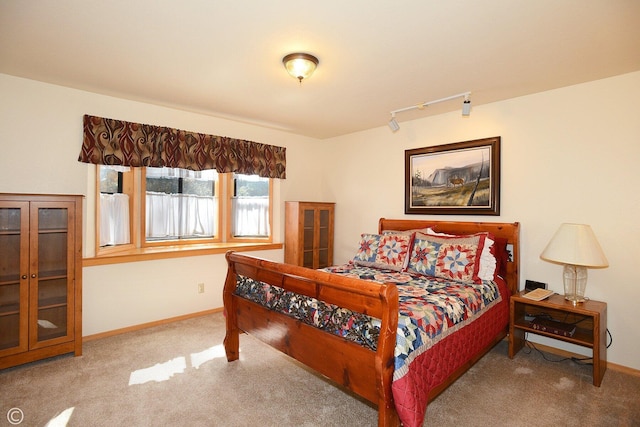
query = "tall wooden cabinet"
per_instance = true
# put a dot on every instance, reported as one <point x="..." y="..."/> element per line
<point x="40" y="277"/>
<point x="308" y="234"/>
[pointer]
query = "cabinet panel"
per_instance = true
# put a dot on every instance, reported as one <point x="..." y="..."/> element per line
<point x="52" y="254"/>
<point x="40" y="277"/>
<point x="10" y="327"/>
<point x="10" y="259"/>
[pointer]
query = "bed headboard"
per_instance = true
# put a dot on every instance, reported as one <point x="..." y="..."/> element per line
<point x="505" y="230"/>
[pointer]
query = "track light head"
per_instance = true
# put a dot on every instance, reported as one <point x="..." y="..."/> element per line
<point x="466" y="106"/>
<point x="393" y="124"/>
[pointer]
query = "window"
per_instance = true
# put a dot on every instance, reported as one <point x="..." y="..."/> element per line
<point x="250" y="207"/>
<point x="114" y="205"/>
<point x="178" y="206"/>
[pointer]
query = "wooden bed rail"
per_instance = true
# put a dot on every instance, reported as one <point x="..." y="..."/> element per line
<point x="363" y="371"/>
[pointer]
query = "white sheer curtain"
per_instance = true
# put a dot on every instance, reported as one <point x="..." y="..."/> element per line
<point x="114" y="219"/>
<point x="251" y="216"/>
<point x="180" y="215"/>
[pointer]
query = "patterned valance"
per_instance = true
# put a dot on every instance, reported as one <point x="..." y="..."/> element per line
<point x="116" y="142"/>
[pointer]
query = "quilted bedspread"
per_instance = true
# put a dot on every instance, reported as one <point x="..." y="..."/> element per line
<point x="430" y="311"/>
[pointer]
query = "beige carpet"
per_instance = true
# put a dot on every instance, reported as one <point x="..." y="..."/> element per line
<point x="177" y="375"/>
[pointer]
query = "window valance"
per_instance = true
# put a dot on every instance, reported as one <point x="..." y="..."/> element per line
<point x="116" y="142"/>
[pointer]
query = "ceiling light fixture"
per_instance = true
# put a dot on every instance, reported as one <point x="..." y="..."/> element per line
<point x="300" y="65"/>
<point x="466" y="108"/>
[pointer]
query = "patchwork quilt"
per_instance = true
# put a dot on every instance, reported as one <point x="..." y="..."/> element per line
<point x="430" y="310"/>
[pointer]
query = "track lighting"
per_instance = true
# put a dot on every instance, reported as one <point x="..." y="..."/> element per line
<point x="393" y="124"/>
<point x="466" y="108"/>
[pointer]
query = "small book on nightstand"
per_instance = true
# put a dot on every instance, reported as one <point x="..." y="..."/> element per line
<point x="538" y="294"/>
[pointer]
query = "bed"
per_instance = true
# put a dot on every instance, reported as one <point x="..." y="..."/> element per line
<point x="357" y="323"/>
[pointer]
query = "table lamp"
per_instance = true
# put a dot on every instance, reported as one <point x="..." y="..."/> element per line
<point x="575" y="246"/>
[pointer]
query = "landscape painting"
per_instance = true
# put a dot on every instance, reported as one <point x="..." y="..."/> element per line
<point x="461" y="178"/>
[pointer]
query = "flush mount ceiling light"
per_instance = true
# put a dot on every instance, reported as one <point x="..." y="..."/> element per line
<point x="466" y="108"/>
<point x="300" y="65"/>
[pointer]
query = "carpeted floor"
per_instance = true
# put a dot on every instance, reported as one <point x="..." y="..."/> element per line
<point x="177" y="375"/>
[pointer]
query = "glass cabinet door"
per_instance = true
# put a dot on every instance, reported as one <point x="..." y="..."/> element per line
<point x="51" y="274"/>
<point x="323" y="238"/>
<point x="14" y="282"/>
<point x="308" y="243"/>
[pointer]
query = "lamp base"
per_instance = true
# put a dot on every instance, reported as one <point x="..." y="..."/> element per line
<point x="576" y="299"/>
<point x="575" y="283"/>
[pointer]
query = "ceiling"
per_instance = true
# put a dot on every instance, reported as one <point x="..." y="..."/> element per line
<point x="224" y="58"/>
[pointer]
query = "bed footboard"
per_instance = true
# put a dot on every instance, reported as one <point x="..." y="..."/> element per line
<point x="366" y="372"/>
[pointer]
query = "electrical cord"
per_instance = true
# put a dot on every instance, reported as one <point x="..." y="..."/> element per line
<point x="577" y="360"/>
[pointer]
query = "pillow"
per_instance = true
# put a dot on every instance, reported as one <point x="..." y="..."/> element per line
<point x="388" y="251"/>
<point x="453" y="258"/>
<point x="488" y="260"/>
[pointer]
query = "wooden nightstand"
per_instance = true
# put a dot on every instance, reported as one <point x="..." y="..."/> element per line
<point x="590" y="318"/>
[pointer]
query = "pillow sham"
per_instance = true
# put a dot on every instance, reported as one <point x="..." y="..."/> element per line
<point x="387" y="251"/>
<point x="488" y="260"/>
<point x="453" y="258"/>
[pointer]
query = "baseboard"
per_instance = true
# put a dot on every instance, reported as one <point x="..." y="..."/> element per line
<point x="564" y="353"/>
<point x="149" y="325"/>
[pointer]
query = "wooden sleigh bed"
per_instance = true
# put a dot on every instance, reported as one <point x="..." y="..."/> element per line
<point x="369" y="370"/>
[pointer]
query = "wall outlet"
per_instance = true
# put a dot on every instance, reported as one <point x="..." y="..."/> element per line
<point x="201" y="288"/>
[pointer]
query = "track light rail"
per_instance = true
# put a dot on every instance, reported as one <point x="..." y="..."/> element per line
<point x="466" y="108"/>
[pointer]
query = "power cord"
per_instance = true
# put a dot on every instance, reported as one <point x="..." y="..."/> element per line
<point x="578" y="360"/>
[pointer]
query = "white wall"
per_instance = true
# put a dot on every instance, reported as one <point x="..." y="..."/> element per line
<point x="568" y="155"/>
<point x="40" y="139"/>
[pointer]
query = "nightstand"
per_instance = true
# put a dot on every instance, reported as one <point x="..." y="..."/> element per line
<point x="590" y="318"/>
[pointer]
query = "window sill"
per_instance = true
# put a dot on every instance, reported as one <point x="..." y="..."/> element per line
<point x="177" y="251"/>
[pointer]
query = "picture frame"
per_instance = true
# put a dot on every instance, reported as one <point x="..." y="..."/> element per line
<point x="461" y="178"/>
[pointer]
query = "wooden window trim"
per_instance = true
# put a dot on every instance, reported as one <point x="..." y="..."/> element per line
<point x="130" y="181"/>
<point x="178" y="251"/>
<point x="170" y="243"/>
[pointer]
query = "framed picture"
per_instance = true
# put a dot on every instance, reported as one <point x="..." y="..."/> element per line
<point x="462" y="178"/>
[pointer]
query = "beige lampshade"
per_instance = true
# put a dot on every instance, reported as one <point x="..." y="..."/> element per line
<point x="575" y="244"/>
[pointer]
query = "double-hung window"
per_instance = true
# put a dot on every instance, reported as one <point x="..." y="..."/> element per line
<point x="250" y="207"/>
<point x="180" y="204"/>
<point x="114" y="225"/>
